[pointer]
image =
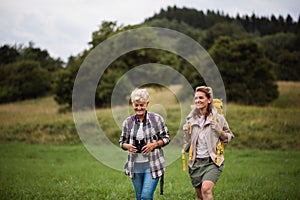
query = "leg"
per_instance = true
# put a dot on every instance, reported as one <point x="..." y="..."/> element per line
<point x="199" y="193"/>
<point x="206" y="189"/>
<point x="149" y="186"/>
<point x="137" y="181"/>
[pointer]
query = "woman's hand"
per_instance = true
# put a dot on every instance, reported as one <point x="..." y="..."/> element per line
<point x="149" y="147"/>
<point x="130" y="147"/>
<point x="216" y="127"/>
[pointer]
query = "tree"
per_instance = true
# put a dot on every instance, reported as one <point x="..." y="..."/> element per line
<point x="252" y="24"/>
<point x="247" y="74"/>
<point x="23" y="80"/>
<point x="182" y="27"/>
<point x="289" y="65"/>
<point x="41" y="56"/>
<point x="283" y="49"/>
<point x="8" y="54"/>
<point x="106" y="29"/>
<point x="26" y="72"/>
<point x="65" y="81"/>
<point x="231" y="30"/>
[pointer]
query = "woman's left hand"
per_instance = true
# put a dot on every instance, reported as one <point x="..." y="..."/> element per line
<point x="149" y="147"/>
<point x="216" y="127"/>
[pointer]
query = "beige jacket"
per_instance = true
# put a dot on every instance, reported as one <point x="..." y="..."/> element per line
<point x="212" y="138"/>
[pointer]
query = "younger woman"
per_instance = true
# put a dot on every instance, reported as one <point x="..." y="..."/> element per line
<point x="203" y="129"/>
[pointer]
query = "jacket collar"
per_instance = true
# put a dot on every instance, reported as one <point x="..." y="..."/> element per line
<point x="195" y="120"/>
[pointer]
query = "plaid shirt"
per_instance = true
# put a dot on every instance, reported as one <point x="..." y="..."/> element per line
<point x="152" y="132"/>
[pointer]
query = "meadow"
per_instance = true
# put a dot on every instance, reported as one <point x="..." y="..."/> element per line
<point x="70" y="172"/>
<point x="42" y="156"/>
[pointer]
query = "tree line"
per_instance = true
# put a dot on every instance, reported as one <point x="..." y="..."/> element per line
<point x="252" y="53"/>
<point x="252" y="24"/>
<point x="26" y="72"/>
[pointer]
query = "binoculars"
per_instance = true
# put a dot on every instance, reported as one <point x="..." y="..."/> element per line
<point x="139" y="144"/>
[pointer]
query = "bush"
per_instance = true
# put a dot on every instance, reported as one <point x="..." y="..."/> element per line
<point x="23" y="80"/>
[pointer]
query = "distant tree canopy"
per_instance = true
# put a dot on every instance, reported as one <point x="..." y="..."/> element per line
<point x="26" y="72"/>
<point x="247" y="74"/>
<point x="251" y="52"/>
<point x="23" y="80"/>
<point x="200" y="20"/>
<point x="8" y="54"/>
<point x="279" y="37"/>
<point x="119" y="67"/>
<point x="232" y="30"/>
<point x="284" y="50"/>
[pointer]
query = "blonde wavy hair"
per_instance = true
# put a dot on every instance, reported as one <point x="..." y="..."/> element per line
<point x="209" y="94"/>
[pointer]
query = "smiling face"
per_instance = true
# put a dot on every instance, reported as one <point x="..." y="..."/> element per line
<point x="140" y="108"/>
<point x="201" y="100"/>
<point x="140" y="101"/>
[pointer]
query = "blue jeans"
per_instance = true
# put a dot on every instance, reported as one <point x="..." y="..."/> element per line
<point x="144" y="184"/>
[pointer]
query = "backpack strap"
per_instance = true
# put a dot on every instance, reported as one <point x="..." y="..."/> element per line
<point x="161" y="184"/>
<point x="151" y="118"/>
<point x="153" y="121"/>
<point x="130" y="122"/>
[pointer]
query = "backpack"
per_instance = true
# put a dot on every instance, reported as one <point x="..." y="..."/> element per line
<point x="220" y="145"/>
<point x="218" y="104"/>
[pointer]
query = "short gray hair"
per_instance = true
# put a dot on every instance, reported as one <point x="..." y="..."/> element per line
<point x="139" y="95"/>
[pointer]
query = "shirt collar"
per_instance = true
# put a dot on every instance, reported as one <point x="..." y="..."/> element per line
<point x="144" y="120"/>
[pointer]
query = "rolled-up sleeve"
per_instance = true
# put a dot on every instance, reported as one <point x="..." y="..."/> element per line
<point x="229" y="135"/>
<point x="164" y="132"/>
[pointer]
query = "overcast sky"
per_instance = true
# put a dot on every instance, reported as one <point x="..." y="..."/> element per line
<point x="64" y="27"/>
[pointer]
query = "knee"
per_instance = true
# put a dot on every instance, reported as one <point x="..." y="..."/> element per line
<point x="206" y="190"/>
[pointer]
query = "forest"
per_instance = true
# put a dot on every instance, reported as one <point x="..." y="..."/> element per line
<point x="252" y="53"/>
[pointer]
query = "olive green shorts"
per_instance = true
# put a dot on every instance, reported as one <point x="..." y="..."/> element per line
<point x="204" y="169"/>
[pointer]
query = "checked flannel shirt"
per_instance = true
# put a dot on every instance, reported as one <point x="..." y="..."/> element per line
<point x="153" y="132"/>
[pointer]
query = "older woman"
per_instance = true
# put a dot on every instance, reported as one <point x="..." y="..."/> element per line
<point x="143" y="136"/>
<point x="204" y="128"/>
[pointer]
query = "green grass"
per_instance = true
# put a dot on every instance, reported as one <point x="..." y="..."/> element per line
<point x="264" y="127"/>
<point x="56" y="172"/>
<point x="70" y="172"/>
<point x="36" y="121"/>
<point x="42" y="156"/>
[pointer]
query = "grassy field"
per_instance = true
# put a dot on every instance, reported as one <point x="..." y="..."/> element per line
<point x="70" y="172"/>
<point x="42" y="156"/>
<point x="274" y="127"/>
